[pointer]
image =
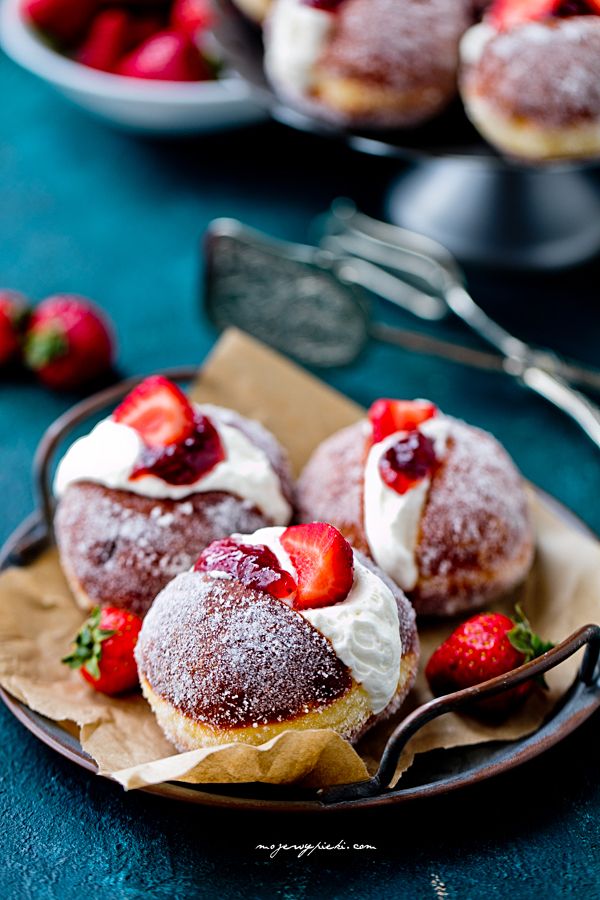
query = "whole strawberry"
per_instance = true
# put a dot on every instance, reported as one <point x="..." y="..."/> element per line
<point x="483" y="647"/>
<point x="68" y="342"/>
<point x="14" y="311"/>
<point x="103" y="650"/>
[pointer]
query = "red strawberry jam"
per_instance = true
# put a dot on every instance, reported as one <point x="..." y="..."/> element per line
<point x="253" y="564"/>
<point x="408" y="461"/>
<point x="186" y="461"/>
<point x="326" y="5"/>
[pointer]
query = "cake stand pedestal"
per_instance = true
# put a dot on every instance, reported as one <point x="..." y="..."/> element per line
<point x="490" y="213"/>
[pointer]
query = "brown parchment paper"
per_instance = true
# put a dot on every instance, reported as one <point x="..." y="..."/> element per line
<point x="38" y="619"/>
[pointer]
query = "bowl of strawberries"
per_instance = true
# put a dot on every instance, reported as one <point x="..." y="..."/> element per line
<point x="144" y="65"/>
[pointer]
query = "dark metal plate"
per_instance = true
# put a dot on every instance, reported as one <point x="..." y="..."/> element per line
<point x="433" y="774"/>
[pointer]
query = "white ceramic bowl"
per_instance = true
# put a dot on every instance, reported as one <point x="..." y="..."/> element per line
<point x="154" y="107"/>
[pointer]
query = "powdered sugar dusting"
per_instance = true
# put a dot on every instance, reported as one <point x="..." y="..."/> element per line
<point x="406" y="44"/>
<point x="545" y="71"/>
<point x="229" y="656"/>
<point x="330" y="488"/>
<point x="122" y="548"/>
<point x="476" y="514"/>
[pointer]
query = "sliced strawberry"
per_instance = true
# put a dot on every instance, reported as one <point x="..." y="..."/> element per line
<point x="159" y="411"/>
<point x="507" y="14"/>
<point x="324" y="561"/>
<point x="255" y="565"/>
<point x="64" y="21"/>
<point x="594" y="6"/>
<point x="106" y="41"/>
<point x="192" y="17"/>
<point x="166" y="56"/>
<point x="389" y="416"/>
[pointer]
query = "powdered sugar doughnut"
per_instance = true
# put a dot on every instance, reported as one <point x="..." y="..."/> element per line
<point x="220" y="661"/>
<point x="121" y="547"/>
<point x="370" y="63"/>
<point x="534" y="90"/>
<point x="467" y="539"/>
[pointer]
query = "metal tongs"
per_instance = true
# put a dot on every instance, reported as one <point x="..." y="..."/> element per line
<point x="418" y="258"/>
<point x="309" y="302"/>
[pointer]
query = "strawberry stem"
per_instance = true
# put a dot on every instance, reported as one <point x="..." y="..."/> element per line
<point x="44" y="346"/>
<point x="87" y="651"/>
<point x="526" y="641"/>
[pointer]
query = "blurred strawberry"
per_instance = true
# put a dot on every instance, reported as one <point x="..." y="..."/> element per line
<point x="167" y="56"/>
<point x="14" y="310"/>
<point x="507" y="14"/>
<point x="390" y="416"/>
<point x="107" y="40"/>
<point x="192" y="16"/>
<point x="64" y="21"/>
<point x="68" y="342"/>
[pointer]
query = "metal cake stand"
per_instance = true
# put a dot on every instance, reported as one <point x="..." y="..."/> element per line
<point x="486" y="209"/>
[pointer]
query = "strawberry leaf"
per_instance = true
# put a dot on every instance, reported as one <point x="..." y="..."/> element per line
<point x="87" y="651"/>
<point x="92" y="667"/>
<point x="44" y="346"/>
<point x="526" y="641"/>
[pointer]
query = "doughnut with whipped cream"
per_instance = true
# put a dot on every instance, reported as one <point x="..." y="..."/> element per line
<point x="530" y="78"/>
<point x="367" y="63"/>
<point x="150" y="486"/>
<point x="284" y="628"/>
<point x="436" y="503"/>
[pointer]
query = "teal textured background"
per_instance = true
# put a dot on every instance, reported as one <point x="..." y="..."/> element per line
<point x="120" y="219"/>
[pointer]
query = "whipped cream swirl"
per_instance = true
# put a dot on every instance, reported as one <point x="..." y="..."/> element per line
<point x="392" y="519"/>
<point x="109" y="453"/>
<point x="363" y="629"/>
